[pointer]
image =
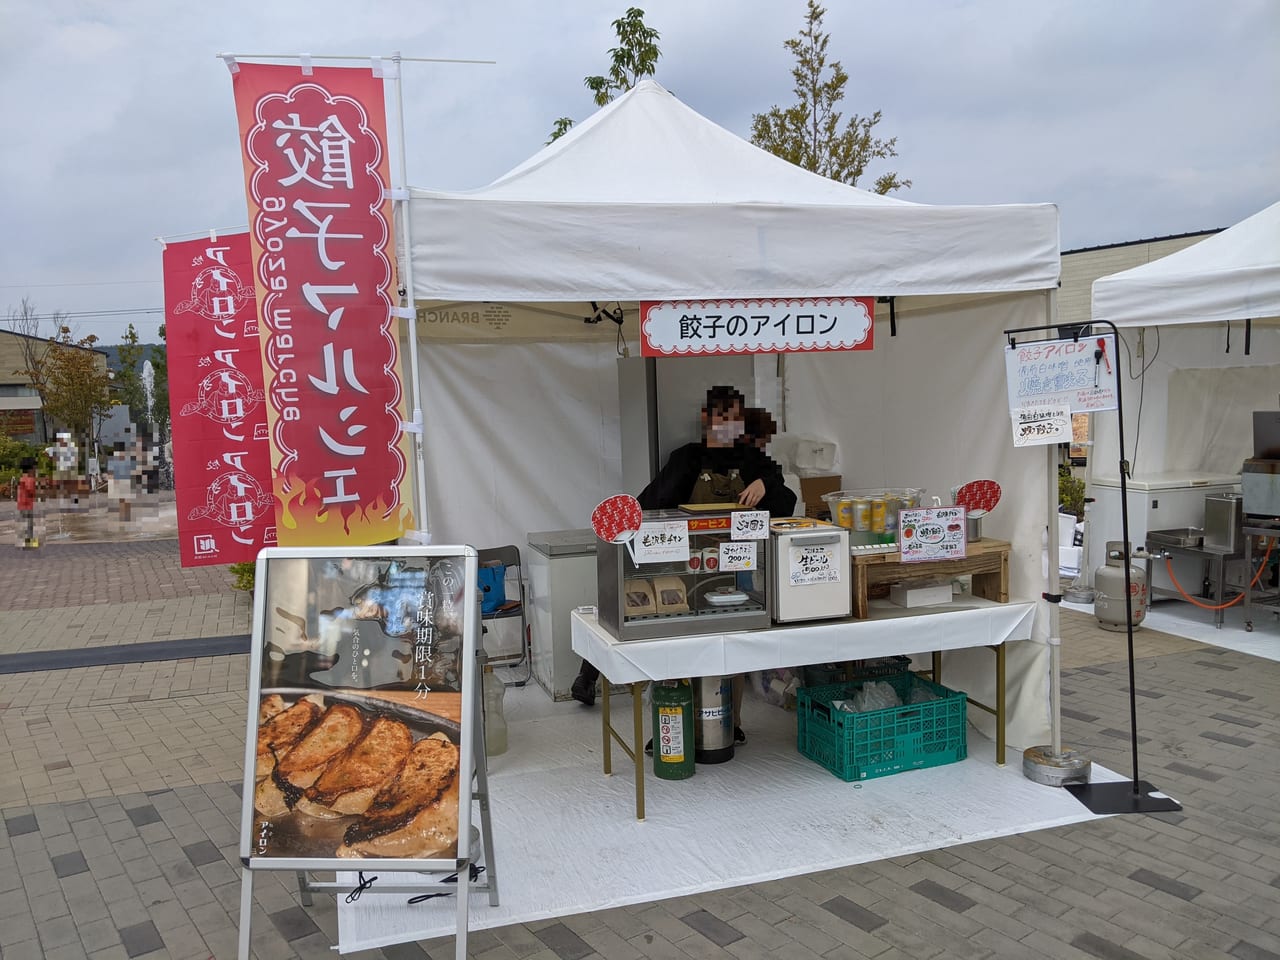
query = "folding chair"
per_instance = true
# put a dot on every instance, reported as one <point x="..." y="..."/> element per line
<point x="497" y="564"/>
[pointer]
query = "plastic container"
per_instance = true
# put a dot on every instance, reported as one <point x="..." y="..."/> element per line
<point x="863" y="746"/>
<point x="874" y="509"/>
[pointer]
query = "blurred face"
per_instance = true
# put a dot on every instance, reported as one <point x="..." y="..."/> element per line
<point x="725" y="425"/>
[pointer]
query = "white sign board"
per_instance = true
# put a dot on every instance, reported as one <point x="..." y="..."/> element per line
<point x="813" y="563"/>
<point x="1041" y="424"/>
<point x="661" y="541"/>
<point x="750" y="525"/>
<point x="1082" y="374"/>
<point x="738" y="555"/>
<point x="676" y="328"/>
<point x="934" y="533"/>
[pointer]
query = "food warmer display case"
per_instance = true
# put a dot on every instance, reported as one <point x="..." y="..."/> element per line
<point x="709" y="583"/>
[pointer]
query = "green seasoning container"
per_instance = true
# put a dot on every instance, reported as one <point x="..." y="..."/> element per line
<point x="672" y="730"/>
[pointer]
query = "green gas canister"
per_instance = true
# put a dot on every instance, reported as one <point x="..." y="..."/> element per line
<point x="672" y="730"/>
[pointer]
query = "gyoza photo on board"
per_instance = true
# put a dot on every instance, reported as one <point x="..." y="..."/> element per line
<point x="359" y="712"/>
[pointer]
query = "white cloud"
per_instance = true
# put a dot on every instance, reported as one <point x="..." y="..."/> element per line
<point x="1138" y="119"/>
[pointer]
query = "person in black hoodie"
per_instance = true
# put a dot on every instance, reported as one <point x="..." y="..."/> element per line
<point x="728" y="465"/>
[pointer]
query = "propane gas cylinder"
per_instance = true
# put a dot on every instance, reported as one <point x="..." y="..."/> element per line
<point x="1108" y="585"/>
<point x="673" y="730"/>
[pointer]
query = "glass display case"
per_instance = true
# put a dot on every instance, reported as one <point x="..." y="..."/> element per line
<point x="683" y="573"/>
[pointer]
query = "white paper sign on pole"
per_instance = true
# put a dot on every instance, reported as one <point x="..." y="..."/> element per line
<point x="1079" y="373"/>
<point x="750" y="525"/>
<point x="738" y="555"/>
<point x="1042" y="424"/>
<point x="813" y="563"/>
<point x="661" y="541"/>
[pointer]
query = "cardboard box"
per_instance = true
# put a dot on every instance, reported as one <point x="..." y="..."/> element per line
<point x="811" y="491"/>
<point x="920" y="593"/>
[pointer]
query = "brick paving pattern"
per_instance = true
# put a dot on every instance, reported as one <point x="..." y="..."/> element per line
<point x="119" y="810"/>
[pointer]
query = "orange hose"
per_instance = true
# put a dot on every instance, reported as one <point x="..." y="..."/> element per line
<point x="1168" y="562"/>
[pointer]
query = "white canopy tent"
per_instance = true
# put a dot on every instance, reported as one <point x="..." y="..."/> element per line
<point x="648" y="200"/>
<point x="1199" y="385"/>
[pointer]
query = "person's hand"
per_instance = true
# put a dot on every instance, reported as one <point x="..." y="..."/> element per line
<point x="753" y="493"/>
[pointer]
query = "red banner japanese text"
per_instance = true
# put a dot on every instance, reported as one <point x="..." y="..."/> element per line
<point x="221" y="457"/>
<point x="316" y="175"/>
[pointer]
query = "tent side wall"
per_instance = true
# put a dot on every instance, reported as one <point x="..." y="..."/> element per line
<point x="1191" y="409"/>
<point x="524" y="437"/>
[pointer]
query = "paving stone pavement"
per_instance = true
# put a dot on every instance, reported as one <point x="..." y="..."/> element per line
<point x="119" y="806"/>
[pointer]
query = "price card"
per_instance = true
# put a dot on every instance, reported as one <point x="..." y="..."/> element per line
<point x="934" y="533"/>
<point x="750" y="524"/>
<point x="738" y="554"/>
<point x="813" y="563"/>
<point x="662" y="541"/>
<point x="1041" y="424"/>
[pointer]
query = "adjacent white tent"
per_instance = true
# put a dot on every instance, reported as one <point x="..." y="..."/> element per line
<point x="649" y="200"/>
<point x="1232" y="275"/>
<point x="1195" y="386"/>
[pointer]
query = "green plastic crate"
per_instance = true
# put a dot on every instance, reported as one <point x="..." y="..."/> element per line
<point x="862" y="746"/>
<point x="819" y="674"/>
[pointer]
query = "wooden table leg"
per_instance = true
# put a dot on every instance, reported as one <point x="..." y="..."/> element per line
<point x="936" y="676"/>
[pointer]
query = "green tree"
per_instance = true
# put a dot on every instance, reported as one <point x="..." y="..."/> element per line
<point x="808" y="133"/>
<point x="128" y="380"/>
<point x="34" y="350"/>
<point x="78" y="387"/>
<point x="635" y="56"/>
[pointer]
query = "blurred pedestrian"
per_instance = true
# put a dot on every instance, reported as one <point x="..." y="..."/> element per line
<point x="27" y="501"/>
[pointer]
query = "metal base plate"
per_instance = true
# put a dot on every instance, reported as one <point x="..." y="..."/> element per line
<point x="1079" y="595"/>
<point x="1121" y="797"/>
<point x="1042" y="765"/>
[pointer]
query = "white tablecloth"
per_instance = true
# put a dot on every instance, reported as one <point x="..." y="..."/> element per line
<point x="890" y="630"/>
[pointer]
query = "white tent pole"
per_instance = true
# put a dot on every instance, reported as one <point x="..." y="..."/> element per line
<point x="1055" y="638"/>
<point x="406" y="275"/>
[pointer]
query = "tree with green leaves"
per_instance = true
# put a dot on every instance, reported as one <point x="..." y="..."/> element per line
<point x="34" y="350"/>
<point x="78" y="388"/>
<point x="128" y="380"/>
<point x="809" y="133"/>
<point x="635" y="56"/>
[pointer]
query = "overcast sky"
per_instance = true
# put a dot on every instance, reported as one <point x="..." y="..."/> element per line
<point x="1139" y="118"/>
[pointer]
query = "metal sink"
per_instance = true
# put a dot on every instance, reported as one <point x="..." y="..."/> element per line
<point x="1178" y="537"/>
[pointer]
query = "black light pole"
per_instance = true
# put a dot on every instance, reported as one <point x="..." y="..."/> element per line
<point x="1135" y="796"/>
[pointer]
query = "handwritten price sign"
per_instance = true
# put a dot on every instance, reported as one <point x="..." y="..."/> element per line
<point x="750" y="524"/>
<point x="738" y="555"/>
<point x="662" y="541"/>
<point x="934" y="533"/>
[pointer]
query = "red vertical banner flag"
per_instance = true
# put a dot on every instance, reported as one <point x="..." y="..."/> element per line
<point x="320" y="222"/>
<point x="221" y="457"/>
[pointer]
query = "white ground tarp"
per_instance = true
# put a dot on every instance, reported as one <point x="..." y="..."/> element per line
<point x="1232" y="275"/>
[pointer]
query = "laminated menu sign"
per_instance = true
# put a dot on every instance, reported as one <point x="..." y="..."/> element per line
<point x="662" y="541"/>
<point x="933" y="533"/>
<point x="750" y="525"/>
<point x="813" y="563"/>
<point x="361" y="666"/>
<point x="738" y="555"/>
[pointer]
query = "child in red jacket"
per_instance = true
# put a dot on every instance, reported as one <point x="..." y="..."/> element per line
<point x="27" y="500"/>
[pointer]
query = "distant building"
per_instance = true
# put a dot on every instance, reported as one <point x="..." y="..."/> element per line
<point x="21" y="416"/>
<point x="1081" y="267"/>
